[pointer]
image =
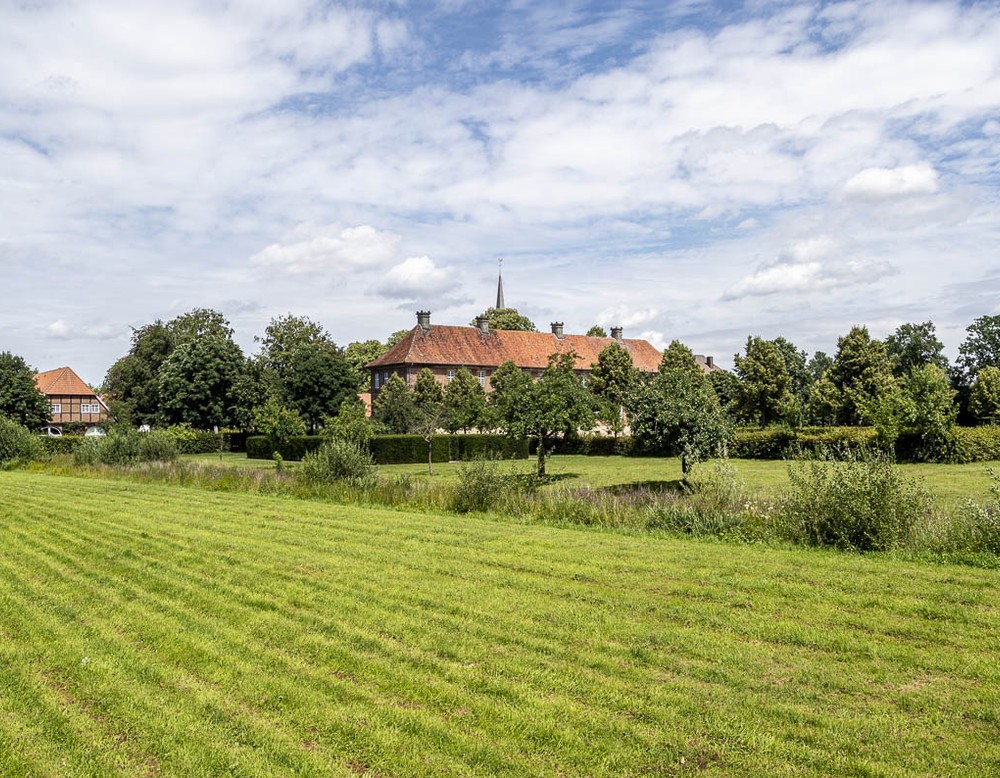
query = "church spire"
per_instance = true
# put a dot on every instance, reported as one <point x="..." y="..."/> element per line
<point x="500" y="304"/>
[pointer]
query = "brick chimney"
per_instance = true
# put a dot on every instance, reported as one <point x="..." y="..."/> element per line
<point x="424" y="320"/>
<point x="557" y="329"/>
<point x="483" y="323"/>
<point x="710" y="361"/>
<point x="616" y="333"/>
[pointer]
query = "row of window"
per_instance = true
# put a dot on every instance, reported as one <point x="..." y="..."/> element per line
<point x="383" y="378"/>
<point x="84" y="408"/>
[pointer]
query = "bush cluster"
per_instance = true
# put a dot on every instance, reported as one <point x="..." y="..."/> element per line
<point x="339" y="460"/>
<point x="977" y="444"/>
<point x="191" y="441"/>
<point x="126" y="447"/>
<point x="589" y="445"/>
<point x="488" y="484"/>
<point x="784" y="442"/>
<point x="67" y="444"/>
<point x="398" y="449"/>
<point x="17" y="443"/>
<point x="861" y="502"/>
<point x="290" y="449"/>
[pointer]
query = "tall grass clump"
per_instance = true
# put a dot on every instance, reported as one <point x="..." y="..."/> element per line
<point x="854" y="500"/>
<point x="339" y="461"/>
<point x="17" y="444"/>
<point x="488" y="484"/>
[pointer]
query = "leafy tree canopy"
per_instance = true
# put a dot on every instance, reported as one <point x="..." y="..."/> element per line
<point x="360" y="353"/>
<point x="196" y="382"/>
<point x="981" y="348"/>
<point x="285" y="335"/>
<point x="797" y="366"/>
<point x="984" y="400"/>
<point x="132" y="383"/>
<point x="860" y="373"/>
<point x="765" y="386"/>
<point x="20" y="399"/>
<point x="199" y="323"/>
<point x="394" y="408"/>
<point x="507" y="319"/>
<point x="393" y="339"/>
<point x="614" y="374"/>
<point x="678" y="413"/>
<point x="464" y="402"/>
<point x="677" y="356"/>
<point x="427" y="389"/>
<point x="818" y="365"/>
<point x="278" y="422"/>
<point x="597" y="331"/>
<point x="914" y="345"/>
<point x="316" y="381"/>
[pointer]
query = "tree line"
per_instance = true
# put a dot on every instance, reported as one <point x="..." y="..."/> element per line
<point x="190" y="371"/>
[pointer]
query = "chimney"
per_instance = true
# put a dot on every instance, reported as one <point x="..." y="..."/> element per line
<point x="557" y="329"/>
<point x="710" y="361"/>
<point x="616" y="333"/>
<point x="483" y="323"/>
<point x="424" y="320"/>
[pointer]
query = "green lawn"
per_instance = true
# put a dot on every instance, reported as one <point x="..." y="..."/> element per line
<point x="949" y="483"/>
<point x="169" y="631"/>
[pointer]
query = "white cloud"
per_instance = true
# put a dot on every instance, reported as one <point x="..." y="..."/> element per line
<point x="878" y="183"/>
<point x="60" y="329"/>
<point x="811" y="265"/>
<point x="312" y="248"/>
<point x="656" y="338"/>
<point x="416" y="278"/>
<point x="626" y="317"/>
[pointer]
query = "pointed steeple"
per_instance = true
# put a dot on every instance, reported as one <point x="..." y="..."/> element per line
<point x="500" y="285"/>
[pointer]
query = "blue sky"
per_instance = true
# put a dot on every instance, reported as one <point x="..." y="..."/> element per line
<point x="692" y="170"/>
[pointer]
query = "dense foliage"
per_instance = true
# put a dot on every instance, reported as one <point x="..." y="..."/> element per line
<point x="20" y="399"/>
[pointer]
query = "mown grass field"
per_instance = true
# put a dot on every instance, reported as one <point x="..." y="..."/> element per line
<point x="171" y="631"/>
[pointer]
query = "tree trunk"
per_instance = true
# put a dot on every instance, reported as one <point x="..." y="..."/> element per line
<point x="541" y="456"/>
<point x="430" y="456"/>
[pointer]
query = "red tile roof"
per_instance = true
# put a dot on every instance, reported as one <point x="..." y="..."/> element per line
<point x="469" y="346"/>
<point x="62" y="382"/>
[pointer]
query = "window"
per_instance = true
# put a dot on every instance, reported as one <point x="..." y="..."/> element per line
<point x="90" y="408"/>
<point x="385" y="377"/>
<point x="451" y="376"/>
<point x="56" y="408"/>
<point x="376" y="380"/>
<point x="482" y="378"/>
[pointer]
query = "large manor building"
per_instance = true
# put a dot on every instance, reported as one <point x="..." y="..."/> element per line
<point x="480" y="349"/>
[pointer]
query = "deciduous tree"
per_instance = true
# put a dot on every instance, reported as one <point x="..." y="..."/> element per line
<point x="315" y="383"/>
<point x="20" y="399"/>
<point x="914" y="345"/>
<point x="984" y="400"/>
<point x="196" y="382"/>
<point x="506" y="319"/>
<point x="765" y="386"/>
<point x="464" y="402"/>
<point x="394" y="408"/>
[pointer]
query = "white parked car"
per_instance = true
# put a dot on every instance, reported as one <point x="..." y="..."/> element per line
<point x="94" y="432"/>
<point x="52" y="432"/>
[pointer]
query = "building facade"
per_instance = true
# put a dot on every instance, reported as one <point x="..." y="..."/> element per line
<point x="71" y="401"/>
<point x="445" y="349"/>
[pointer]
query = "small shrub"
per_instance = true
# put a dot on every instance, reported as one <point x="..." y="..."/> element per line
<point x="192" y="441"/>
<point x="120" y="447"/>
<point x="486" y="485"/>
<point x="861" y="502"/>
<point x="88" y="452"/>
<point x="157" y="446"/>
<point x="338" y="460"/>
<point x="17" y="443"/>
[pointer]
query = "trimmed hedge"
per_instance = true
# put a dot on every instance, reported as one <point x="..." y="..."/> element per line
<point x="400" y="449"/>
<point x="781" y="442"/>
<point x="977" y="444"/>
<point x="589" y="446"/>
<point x="291" y="450"/>
<point x="67" y="444"/>
<point x="408" y="449"/>
<point x="468" y="447"/>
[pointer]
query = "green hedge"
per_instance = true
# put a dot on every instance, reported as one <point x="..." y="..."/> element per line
<point x="780" y="442"/>
<point x="589" y="445"/>
<point x="291" y="450"/>
<point x="400" y="449"/>
<point x="977" y="444"/>
<point x="467" y="447"/>
<point x="67" y="444"/>
<point x="407" y="449"/>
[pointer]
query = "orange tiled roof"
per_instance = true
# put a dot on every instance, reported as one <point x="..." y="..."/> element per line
<point x="62" y="382"/>
<point x="469" y="346"/>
